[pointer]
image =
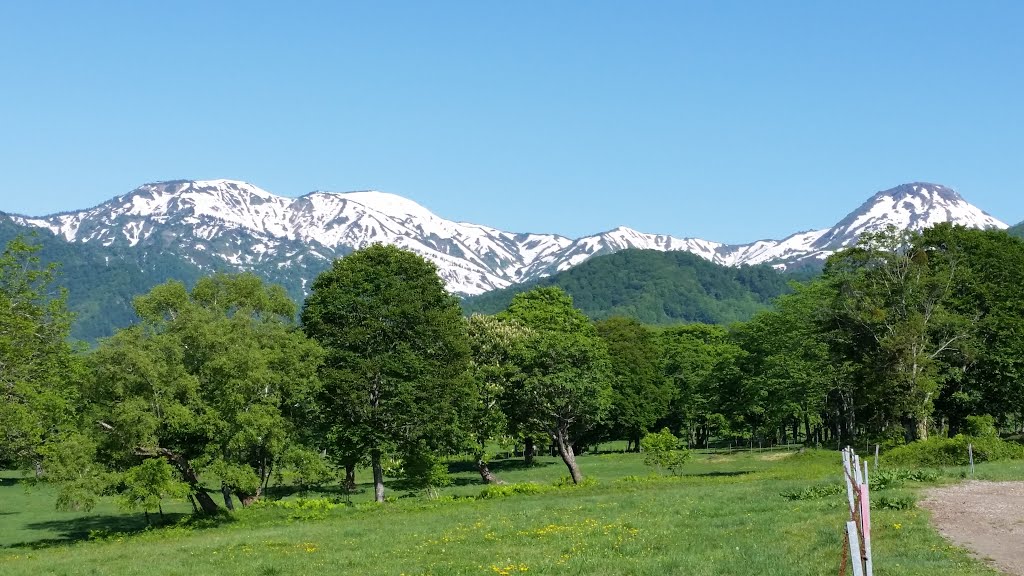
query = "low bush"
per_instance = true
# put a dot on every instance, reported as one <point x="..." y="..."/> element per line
<point x="505" y="490"/>
<point x="953" y="451"/>
<point x="895" y="477"/>
<point x="664" y="451"/>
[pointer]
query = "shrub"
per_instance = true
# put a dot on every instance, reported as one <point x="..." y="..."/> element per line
<point x="664" y="451"/>
<point x="505" y="490"/>
<point x="980" y="426"/>
<point x="895" y="477"/>
<point x="936" y="452"/>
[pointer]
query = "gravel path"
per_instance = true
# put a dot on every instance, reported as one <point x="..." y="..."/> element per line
<point x="984" y="517"/>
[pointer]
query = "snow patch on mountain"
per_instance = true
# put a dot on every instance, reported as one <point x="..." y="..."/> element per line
<point x="216" y="222"/>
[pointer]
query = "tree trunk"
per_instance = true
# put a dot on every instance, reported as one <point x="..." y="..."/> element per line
<point x="189" y="473"/>
<point x="529" y="451"/>
<point x="206" y="502"/>
<point x="486" y="474"/>
<point x="229" y="503"/>
<point x="378" y="476"/>
<point x="922" y="428"/>
<point x="350" y="476"/>
<point x="565" y="450"/>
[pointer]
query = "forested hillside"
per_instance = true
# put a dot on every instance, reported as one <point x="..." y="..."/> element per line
<point x="656" y="288"/>
<point x="101" y="282"/>
<point x="1017" y="230"/>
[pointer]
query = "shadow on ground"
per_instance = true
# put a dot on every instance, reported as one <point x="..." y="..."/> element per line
<point x="721" y="474"/>
<point x="81" y="528"/>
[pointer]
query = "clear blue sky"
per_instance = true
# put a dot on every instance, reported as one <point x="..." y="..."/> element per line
<point x="725" y="120"/>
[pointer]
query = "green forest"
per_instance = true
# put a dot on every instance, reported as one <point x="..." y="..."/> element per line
<point x="906" y="339"/>
<point x="657" y="288"/>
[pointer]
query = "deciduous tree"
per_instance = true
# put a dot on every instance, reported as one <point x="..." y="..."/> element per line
<point x="395" y="376"/>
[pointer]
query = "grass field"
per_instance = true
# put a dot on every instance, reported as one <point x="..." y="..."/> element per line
<point x="726" y="515"/>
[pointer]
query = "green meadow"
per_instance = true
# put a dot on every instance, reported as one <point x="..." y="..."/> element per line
<point x="742" y="513"/>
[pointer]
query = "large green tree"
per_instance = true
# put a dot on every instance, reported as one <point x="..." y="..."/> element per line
<point x="891" y="319"/>
<point x="787" y="362"/>
<point x="396" y="373"/>
<point x="37" y="367"/>
<point x="216" y="381"/>
<point x="985" y="375"/>
<point x="565" y="383"/>
<point x="640" y="390"/>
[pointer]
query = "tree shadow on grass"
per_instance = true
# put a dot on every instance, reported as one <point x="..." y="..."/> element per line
<point x="518" y="464"/>
<point x="322" y="491"/>
<point x="4" y="482"/>
<point x="721" y="474"/>
<point x="81" y="528"/>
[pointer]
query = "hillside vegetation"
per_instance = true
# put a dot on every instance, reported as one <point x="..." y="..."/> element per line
<point x="655" y="288"/>
<point x="1017" y="230"/>
<point x="101" y="281"/>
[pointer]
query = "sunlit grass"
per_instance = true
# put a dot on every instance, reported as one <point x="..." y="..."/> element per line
<point x="725" y="515"/>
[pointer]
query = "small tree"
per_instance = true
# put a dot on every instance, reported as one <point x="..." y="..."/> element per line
<point x="664" y="451"/>
<point x="146" y="486"/>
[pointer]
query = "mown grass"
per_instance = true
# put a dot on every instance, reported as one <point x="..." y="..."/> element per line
<point x="725" y="515"/>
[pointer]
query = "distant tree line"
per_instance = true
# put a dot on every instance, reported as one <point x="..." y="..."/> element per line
<point x="226" y="387"/>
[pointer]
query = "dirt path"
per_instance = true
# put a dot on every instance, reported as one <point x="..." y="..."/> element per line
<point x="985" y="517"/>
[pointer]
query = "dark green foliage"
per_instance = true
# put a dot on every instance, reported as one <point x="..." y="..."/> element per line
<point x="396" y="377"/>
<point x="640" y="390"/>
<point x="655" y="288"/>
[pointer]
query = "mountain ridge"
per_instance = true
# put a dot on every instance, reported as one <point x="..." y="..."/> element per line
<point x="217" y="223"/>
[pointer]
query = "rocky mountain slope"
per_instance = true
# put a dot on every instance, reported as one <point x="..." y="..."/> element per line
<point x="225" y="224"/>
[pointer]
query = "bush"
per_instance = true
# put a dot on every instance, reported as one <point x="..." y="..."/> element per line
<point x="664" y="451"/>
<point x="980" y="426"/>
<point x="953" y="451"/>
<point x="505" y="490"/>
<point x="895" y="477"/>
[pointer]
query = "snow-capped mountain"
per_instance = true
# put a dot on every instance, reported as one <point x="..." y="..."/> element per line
<point x="225" y="224"/>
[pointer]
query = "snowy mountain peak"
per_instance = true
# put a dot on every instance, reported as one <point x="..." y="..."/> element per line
<point x="387" y="203"/>
<point x="914" y="206"/>
<point x="218" y="223"/>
